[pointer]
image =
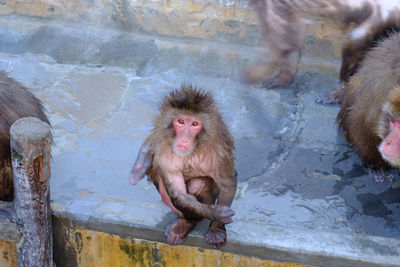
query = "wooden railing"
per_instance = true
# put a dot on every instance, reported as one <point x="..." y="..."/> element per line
<point x="27" y="221"/>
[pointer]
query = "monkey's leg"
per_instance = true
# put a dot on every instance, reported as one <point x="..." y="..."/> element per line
<point x="287" y="71"/>
<point x="159" y="184"/>
<point x="188" y="204"/>
<point x="269" y="60"/>
<point x="207" y="193"/>
<point x="285" y="43"/>
<point x="335" y="97"/>
<point x="205" y="190"/>
<point x="286" y="62"/>
<point x="352" y="54"/>
<point x="259" y="71"/>
<point x="177" y="231"/>
<point x="216" y="235"/>
<point x="283" y="32"/>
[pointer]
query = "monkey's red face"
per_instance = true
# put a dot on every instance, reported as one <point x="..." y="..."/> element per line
<point x="390" y="146"/>
<point x="186" y="129"/>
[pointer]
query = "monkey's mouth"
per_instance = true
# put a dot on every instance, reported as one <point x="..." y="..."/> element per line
<point x="392" y="160"/>
<point x="182" y="151"/>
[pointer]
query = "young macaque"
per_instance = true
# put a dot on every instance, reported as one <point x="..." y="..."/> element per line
<point x="15" y="102"/>
<point x="189" y="158"/>
<point x="370" y="110"/>
<point x="283" y="24"/>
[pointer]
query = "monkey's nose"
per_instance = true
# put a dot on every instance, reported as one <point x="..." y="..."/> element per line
<point x="390" y="149"/>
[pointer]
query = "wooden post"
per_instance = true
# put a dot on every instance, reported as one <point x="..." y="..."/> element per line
<point x="30" y="155"/>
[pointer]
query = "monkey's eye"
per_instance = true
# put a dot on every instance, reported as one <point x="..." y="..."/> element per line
<point x="195" y="123"/>
<point x="181" y="121"/>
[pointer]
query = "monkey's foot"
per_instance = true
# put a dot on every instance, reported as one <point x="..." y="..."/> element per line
<point x="327" y="98"/>
<point x="334" y="97"/>
<point x="280" y="80"/>
<point x="216" y="235"/>
<point x="378" y="174"/>
<point x="257" y="72"/>
<point x="264" y="72"/>
<point x="177" y="231"/>
<point x="271" y="83"/>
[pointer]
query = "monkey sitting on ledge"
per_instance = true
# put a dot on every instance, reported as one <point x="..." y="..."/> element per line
<point x="189" y="158"/>
<point x="370" y="110"/>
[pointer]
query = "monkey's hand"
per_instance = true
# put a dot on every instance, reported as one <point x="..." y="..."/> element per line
<point x="223" y="214"/>
<point x="142" y="164"/>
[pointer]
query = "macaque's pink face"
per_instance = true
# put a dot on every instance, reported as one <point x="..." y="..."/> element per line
<point x="186" y="129"/>
<point x="390" y="146"/>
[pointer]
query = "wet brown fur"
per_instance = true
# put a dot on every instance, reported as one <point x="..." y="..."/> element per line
<point x="283" y="29"/>
<point x="354" y="52"/>
<point x="15" y="102"/>
<point x="214" y="147"/>
<point x="370" y="97"/>
<point x="215" y="138"/>
<point x="393" y="107"/>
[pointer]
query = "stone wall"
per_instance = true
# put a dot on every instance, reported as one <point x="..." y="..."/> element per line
<point x="229" y="20"/>
<point x="226" y="21"/>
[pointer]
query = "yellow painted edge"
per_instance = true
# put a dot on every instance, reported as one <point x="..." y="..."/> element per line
<point x="94" y="248"/>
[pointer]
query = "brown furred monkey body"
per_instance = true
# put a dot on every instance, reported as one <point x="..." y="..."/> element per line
<point x="283" y="24"/>
<point x="15" y="102"/>
<point x="189" y="158"/>
<point x="370" y="110"/>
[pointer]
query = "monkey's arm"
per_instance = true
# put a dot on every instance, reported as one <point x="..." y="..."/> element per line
<point x="142" y="164"/>
<point x="227" y="189"/>
<point x="216" y="235"/>
<point x="188" y="204"/>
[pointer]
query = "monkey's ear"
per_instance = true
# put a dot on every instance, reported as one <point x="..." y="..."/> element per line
<point x="142" y="164"/>
<point x="394" y="101"/>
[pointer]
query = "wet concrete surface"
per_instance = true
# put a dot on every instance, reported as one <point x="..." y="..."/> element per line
<point x="301" y="186"/>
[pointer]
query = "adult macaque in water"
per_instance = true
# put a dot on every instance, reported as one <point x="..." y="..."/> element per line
<point x="283" y="24"/>
<point x="189" y="158"/>
<point x="370" y="111"/>
<point x="15" y="102"/>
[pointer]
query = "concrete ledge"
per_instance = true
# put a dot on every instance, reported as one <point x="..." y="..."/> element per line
<point x="77" y="245"/>
<point x="278" y="244"/>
